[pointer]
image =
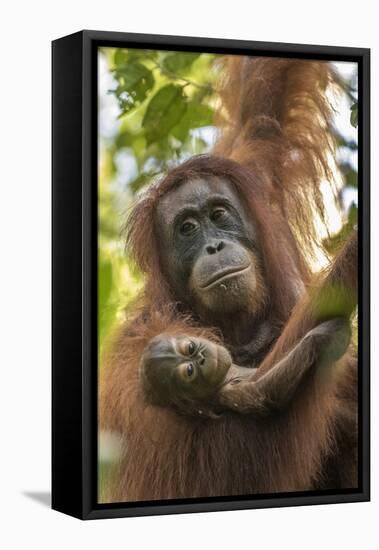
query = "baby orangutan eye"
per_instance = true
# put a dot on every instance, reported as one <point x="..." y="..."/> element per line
<point x="187" y="372"/>
<point x="187" y="347"/>
<point x="191" y="348"/>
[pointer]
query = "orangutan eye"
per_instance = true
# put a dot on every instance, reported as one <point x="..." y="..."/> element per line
<point x="218" y="214"/>
<point x="191" y="348"/>
<point x="188" y="227"/>
<point x="187" y="372"/>
<point x="190" y="370"/>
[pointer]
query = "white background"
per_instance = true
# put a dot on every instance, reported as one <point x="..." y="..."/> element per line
<point x="27" y="29"/>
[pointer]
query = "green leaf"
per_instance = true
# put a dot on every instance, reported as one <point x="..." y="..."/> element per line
<point x="124" y="139"/>
<point x="197" y="115"/>
<point x="351" y="179"/>
<point x="335" y="301"/>
<point x="136" y="54"/>
<point x="178" y="62"/>
<point x="123" y="56"/>
<point x="135" y="82"/>
<point x="349" y="174"/>
<point x="163" y="112"/>
<point x="354" y="115"/>
<point x="120" y="56"/>
<point x="353" y="215"/>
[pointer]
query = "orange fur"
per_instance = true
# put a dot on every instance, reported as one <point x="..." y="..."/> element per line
<point x="276" y="118"/>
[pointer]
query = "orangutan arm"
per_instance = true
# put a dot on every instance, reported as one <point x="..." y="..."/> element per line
<point x="316" y="336"/>
<point x="259" y="394"/>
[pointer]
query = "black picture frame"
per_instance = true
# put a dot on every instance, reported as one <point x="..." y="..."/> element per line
<point x="74" y="272"/>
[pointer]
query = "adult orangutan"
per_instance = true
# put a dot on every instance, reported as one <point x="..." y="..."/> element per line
<point x="232" y="378"/>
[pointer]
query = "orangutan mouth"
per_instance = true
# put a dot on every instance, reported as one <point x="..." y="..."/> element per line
<point x="223" y="275"/>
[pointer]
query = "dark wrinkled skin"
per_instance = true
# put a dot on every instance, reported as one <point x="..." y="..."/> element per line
<point x="208" y="247"/>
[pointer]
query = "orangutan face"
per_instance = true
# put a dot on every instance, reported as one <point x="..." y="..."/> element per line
<point x="209" y="247"/>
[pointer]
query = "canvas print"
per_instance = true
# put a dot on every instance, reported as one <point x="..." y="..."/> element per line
<point x="227" y="276"/>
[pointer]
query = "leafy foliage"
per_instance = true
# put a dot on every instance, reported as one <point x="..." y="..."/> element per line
<point x="163" y="112"/>
<point x="177" y="62"/>
<point x="135" y="82"/>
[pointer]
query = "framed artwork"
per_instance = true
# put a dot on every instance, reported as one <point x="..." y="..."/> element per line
<point x="210" y="275"/>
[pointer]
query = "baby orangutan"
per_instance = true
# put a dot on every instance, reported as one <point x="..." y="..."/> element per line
<point x="197" y="376"/>
<point x="186" y="372"/>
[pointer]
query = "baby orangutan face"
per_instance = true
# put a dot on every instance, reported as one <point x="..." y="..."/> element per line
<point x="179" y="370"/>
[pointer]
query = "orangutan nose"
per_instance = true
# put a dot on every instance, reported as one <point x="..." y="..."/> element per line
<point x="215" y="247"/>
<point x="201" y="359"/>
